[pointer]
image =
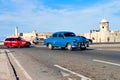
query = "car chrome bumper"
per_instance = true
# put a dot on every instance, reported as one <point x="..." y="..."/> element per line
<point x="83" y="45"/>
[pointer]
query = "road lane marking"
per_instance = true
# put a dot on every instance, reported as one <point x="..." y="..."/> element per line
<point x="67" y="70"/>
<point x="106" y="62"/>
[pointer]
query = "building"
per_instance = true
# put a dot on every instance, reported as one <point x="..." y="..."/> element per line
<point x="103" y="34"/>
<point x="31" y="36"/>
<point x="43" y="35"/>
<point x="34" y="35"/>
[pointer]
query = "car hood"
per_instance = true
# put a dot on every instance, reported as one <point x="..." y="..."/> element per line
<point x="75" y="38"/>
<point x="78" y="39"/>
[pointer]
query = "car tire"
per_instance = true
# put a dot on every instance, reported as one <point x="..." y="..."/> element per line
<point x="69" y="47"/>
<point x="28" y="46"/>
<point x="19" y="46"/>
<point x="50" y="46"/>
<point x="63" y="48"/>
<point x="7" y="46"/>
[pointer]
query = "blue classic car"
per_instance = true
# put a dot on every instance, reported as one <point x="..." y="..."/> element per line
<point x="66" y="40"/>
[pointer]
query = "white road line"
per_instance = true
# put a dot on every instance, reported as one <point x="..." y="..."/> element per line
<point x="64" y="69"/>
<point x="106" y="62"/>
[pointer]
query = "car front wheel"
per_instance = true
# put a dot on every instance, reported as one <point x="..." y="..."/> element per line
<point x="50" y="46"/>
<point x="83" y="47"/>
<point x="69" y="47"/>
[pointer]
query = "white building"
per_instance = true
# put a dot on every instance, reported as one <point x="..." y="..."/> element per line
<point x="30" y="36"/>
<point x="34" y="35"/>
<point x="103" y="34"/>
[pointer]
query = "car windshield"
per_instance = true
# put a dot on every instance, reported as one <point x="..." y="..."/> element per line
<point x="69" y="34"/>
<point x="20" y="38"/>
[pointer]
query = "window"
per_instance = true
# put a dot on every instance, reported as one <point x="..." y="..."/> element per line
<point x="69" y="34"/>
<point x="54" y="35"/>
<point x="60" y="35"/>
<point x="11" y="39"/>
<point x="8" y="39"/>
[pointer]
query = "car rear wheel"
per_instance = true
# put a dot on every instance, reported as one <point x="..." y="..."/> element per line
<point x="69" y="47"/>
<point x="19" y="46"/>
<point x="7" y="46"/>
<point x="50" y="46"/>
<point x="63" y="48"/>
<point x="28" y="46"/>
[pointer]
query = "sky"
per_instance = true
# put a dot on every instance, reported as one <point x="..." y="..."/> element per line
<point x="79" y="16"/>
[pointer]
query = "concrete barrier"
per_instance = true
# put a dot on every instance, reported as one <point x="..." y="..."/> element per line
<point x="1" y="43"/>
<point x="111" y="45"/>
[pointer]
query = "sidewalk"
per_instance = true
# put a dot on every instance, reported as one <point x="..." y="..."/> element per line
<point x="6" y="71"/>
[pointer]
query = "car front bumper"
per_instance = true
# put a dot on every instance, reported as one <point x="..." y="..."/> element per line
<point x="80" y="45"/>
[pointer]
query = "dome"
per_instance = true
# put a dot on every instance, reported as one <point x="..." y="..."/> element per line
<point x="103" y="20"/>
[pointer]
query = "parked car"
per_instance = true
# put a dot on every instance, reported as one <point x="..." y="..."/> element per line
<point x="89" y="40"/>
<point x="35" y="41"/>
<point x="66" y="40"/>
<point x="16" y="42"/>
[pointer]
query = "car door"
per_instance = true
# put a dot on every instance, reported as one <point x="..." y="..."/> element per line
<point x="14" y="42"/>
<point x="53" y="39"/>
<point x="60" y="40"/>
<point x="8" y="42"/>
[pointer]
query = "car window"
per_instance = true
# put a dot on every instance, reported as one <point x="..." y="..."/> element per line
<point x="8" y="39"/>
<point x="11" y="39"/>
<point x="54" y="35"/>
<point x="60" y="35"/>
<point x="69" y="34"/>
<point x="19" y="38"/>
<point x="15" y="39"/>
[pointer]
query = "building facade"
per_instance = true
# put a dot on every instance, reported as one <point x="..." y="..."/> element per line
<point x="34" y="35"/>
<point x="103" y="34"/>
<point x="31" y="36"/>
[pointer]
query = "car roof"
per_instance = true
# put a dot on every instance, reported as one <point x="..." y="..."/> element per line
<point x="13" y="37"/>
<point x="63" y="32"/>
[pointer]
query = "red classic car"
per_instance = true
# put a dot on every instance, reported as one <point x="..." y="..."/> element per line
<point x="16" y="42"/>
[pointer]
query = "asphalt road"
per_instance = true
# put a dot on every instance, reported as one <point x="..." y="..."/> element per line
<point x="44" y="64"/>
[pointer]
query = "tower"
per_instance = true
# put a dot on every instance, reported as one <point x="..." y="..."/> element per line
<point x="16" y="31"/>
<point x="104" y="25"/>
<point x="104" y="31"/>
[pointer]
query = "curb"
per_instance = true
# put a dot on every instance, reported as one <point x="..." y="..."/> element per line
<point x="12" y="73"/>
<point x="6" y="70"/>
<point x="21" y="74"/>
